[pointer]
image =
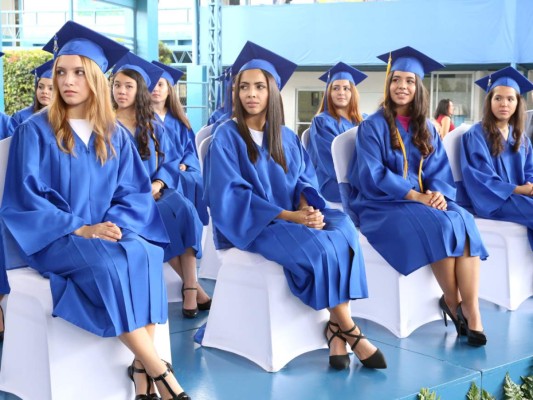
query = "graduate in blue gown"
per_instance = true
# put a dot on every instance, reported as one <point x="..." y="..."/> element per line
<point x="497" y="157"/>
<point x="43" y="92"/>
<point x="132" y="82"/>
<point x="78" y="207"/>
<point x="405" y="202"/>
<point x="338" y="112"/>
<point x="263" y="198"/>
<point x="169" y="112"/>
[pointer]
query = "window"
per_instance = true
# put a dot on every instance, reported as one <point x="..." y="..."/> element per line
<point x="307" y="103"/>
<point x="458" y="87"/>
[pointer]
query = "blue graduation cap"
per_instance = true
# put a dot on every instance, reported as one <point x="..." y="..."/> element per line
<point x="43" y="71"/>
<point x="76" y="39"/>
<point x="408" y="59"/>
<point x="507" y="76"/>
<point x="253" y="56"/>
<point x="150" y="72"/>
<point x="1" y="54"/>
<point x="345" y="72"/>
<point x="172" y="75"/>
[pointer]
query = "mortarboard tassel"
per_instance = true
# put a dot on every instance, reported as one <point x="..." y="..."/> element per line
<point x="386" y="77"/>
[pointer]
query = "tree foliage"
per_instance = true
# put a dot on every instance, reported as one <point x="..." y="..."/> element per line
<point x="18" y="79"/>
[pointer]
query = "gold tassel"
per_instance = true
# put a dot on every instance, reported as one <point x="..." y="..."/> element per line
<point x="386" y="77"/>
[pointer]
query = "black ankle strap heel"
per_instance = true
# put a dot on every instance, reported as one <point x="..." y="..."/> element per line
<point x="169" y="370"/>
<point x="376" y="360"/>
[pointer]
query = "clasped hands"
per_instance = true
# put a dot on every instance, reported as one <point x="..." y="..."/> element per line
<point x="429" y="198"/>
<point x="525" y="189"/>
<point x="103" y="230"/>
<point x="310" y="217"/>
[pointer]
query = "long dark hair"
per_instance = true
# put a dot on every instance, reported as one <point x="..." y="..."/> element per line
<point x="443" y="108"/>
<point x="173" y="104"/>
<point x="418" y="111"/>
<point x="274" y="121"/>
<point x="144" y="115"/>
<point x="517" y="121"/>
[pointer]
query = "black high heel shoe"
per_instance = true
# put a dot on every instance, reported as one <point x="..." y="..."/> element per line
<point x="475" y="338"/>
<point x="134" y="370"/>
<point x="461" y="331"/>
<point x="169" y="370"/>
<point x="376" y="360"/>
<point x="205" y="306"/>
<point x="187" y="312"/>
<point x="340" y="361"/>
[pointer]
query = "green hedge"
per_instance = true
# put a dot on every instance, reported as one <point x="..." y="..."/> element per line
<point x="18" y="79"/>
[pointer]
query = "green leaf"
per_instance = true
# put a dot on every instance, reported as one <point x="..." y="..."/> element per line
<point x="473" y="392"/>
<point x="511" y="390"/>
<point x="527" y="387"/>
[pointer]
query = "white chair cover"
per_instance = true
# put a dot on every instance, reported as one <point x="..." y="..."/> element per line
<point x="255" y="315"/>
<point x="204" y="132"/>
<point x="47" y="358"/>
<point x="209" y="263"/>
<point x="395" y="301"/>
<point x="506" y="277"/>
<point x="305" y="138"/>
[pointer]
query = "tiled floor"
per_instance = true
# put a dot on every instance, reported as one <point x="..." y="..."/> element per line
<point x="432" y="357"/>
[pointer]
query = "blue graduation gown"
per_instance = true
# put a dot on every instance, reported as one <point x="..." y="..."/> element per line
<point x="323" y="267"/>
<point x="104" y="287"/>
<point x="7" y="126"/>
<point x="191" y="182"/>
<point x="178" y="213"/>
<point x="22" y="115"/>
<point x="325" y="128"/>
<point x="490" y="181"/>
<point x="408" y="234"/>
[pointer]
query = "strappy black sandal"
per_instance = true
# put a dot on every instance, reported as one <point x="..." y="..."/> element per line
<point x="376" y="360"/>
<point x="339" y="361"/>
<point x="169" y="370"/>
<point x="148" y="396"/>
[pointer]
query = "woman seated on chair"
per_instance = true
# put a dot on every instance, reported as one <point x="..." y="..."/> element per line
<point x="263" y="199"/>
<point x="496" y="156"/>
<point x="169" y="113"/>
<point x="443" y="117"/>
<point x="43" y="92"/>
<point x="78" y="204"/>
<point x="338" y="112"/>
<point x="405" y="200"/>
<point x="132" y="81"/>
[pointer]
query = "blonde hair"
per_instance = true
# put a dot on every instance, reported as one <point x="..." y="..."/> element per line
<point x="99" y="112"/>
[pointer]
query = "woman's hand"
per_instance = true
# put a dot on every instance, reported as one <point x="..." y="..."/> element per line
<point x="307" y="216"/>
<point x="526" y="189"/>
<point x="183" y="167"/>
<point x="430" y="199"/>
<point x="157" y="186"/>
<point x="103" y="230"/>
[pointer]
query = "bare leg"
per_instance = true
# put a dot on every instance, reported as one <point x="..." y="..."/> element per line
<point x="467" y="271"/>
<point x="341" y="315"/>
<point x="141" y="380"/>
<point x="141" y="344"/>
<point x="185" y="267"/>
<point x="445" y="273"/>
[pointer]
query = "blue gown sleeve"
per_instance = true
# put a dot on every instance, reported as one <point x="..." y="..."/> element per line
<point x="322" y="132"/>
<point x="133" y="207"/>
<point x="237" y="211"/>
<point x="28" y="201"/>
<point x="436" y="171"/>
<point x="307" y="182"/>
<point x="484" y="186"/>
<point x="168" y="171"/>
<point x="376" y="180"/>
<point x="528" y="164"/>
